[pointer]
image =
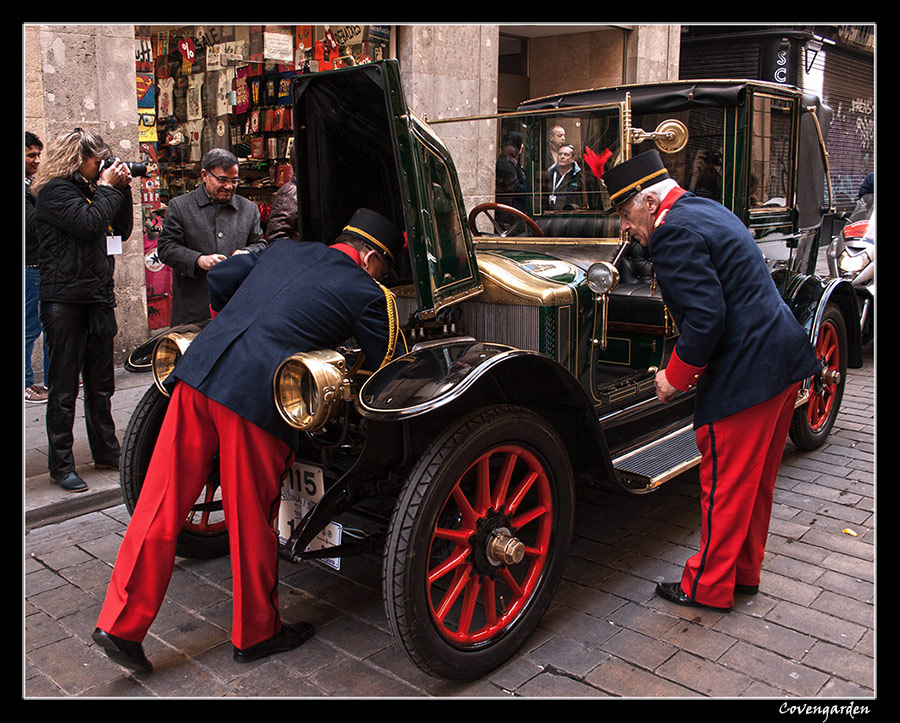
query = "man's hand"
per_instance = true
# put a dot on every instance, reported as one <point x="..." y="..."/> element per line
<point x="664" y="390"/>
<point x="207" y="261"/>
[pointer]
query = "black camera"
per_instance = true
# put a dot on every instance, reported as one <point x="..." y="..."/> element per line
<point x="135" y="169"/>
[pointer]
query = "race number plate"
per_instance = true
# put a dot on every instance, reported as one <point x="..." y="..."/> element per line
<point x="302" y="487"/>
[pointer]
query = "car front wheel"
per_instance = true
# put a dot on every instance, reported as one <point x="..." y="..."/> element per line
<point x="478" y="541"/>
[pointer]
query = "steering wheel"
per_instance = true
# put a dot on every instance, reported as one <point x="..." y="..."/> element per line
<point x="522" y="220"/>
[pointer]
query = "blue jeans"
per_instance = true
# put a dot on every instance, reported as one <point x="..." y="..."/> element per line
<point x="33" y="327"/>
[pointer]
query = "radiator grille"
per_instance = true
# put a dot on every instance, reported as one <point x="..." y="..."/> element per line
<point x="510" y="324"/>
<point x="517" y="326"/>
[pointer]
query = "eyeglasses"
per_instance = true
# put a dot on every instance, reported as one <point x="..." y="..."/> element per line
<point x="224" y="180"/>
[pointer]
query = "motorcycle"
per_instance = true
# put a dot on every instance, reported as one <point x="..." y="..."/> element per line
<point x="851" y="256"/>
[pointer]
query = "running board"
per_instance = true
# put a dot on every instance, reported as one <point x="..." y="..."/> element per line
<point x="646" y="468"/>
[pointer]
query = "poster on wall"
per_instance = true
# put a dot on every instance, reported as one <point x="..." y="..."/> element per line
<point x="278" y="47"/>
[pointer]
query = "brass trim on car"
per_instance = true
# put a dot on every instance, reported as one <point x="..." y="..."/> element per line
<point x="309" y="388"/>
<point x="168" y="349"/>
<point x="505" y="281"/>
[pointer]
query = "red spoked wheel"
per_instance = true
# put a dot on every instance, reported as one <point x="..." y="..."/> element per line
<point x="478" y="542"/>
<point x="490" y="546"/>
<point x="812" y="423"/>
<point x="823" y="396"/>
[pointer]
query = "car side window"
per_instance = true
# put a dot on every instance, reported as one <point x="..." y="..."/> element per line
<point x="449" y="260"/>
<point x="771" y="140"/>
<point x="699" y="166"/>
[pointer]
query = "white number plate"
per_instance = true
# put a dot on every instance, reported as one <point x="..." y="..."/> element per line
<point x="302" y="487"/>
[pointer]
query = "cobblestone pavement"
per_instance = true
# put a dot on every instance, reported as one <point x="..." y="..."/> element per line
<point x="809" y="633"/>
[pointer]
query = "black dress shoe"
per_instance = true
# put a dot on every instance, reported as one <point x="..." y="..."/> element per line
<point x="124" y="652"/>
<point x="71" y="483"/>
<point x="746" y="589"/>
<point x="288" y="638"/>
<point x="672" y="592"/>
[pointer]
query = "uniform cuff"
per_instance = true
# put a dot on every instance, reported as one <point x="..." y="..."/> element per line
<point x="681" y="375"/>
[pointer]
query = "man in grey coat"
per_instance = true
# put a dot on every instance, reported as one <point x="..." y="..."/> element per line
<point x="204" y="227"/>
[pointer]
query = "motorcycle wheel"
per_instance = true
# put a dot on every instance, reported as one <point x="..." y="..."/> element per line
<point x="812" y="422"/>
<point x="457" y="610"/>
<point x="204" y="534"/>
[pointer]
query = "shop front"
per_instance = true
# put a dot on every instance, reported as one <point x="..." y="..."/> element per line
<point x="203" y="87"/>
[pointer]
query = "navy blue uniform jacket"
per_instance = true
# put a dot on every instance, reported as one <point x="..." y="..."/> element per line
<point x="735" y="328"/>
<point x="289" y="297"/>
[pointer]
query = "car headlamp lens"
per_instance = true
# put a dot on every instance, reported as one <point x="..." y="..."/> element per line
<point x="168" y="350"/>
<point x="309" y="388"/>
<point x="602" y="277"/>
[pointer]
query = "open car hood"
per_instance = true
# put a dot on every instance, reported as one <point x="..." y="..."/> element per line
<point x="356" y="144"/>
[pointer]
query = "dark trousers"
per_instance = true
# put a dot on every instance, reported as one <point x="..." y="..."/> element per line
<point x="79" y="345"/>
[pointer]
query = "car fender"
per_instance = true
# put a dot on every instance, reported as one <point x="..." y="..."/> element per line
<point x="450" y="376"/>
<point x="810" y="295"/>
<point x="141" y="357"/>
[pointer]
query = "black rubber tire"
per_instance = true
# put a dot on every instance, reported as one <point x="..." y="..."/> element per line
<point x="419" y="511"/>
<point x="803" y="434"/>
<point x="137" y="448"/>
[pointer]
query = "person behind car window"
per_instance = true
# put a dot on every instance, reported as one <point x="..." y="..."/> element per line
<point x="707" y="175"/>
<point x="509" y="182"/>
<point x="743" y="352"/>
<point x="556" y="137"/>
<point x="267" y="304"/>
<point x="84" y="212"/>
<point x="564" y="178"/>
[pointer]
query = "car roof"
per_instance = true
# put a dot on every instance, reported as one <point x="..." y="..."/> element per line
<point x="660" y="97"/>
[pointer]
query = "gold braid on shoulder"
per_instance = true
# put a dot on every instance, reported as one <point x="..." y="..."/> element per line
<point x="394" y="331"/>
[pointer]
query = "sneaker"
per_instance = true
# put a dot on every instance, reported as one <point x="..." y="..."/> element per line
<point x="36" y="394"/>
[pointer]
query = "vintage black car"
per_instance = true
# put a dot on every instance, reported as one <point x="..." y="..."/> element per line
<point x="531" y="353"/>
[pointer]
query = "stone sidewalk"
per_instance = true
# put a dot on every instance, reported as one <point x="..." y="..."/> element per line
<point x="809" y="633"/>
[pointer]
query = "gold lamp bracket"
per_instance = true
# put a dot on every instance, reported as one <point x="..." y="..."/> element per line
<point x="670" y="136"/>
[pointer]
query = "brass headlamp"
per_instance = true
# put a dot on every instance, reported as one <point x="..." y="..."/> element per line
<point x="166" y="353"/>
<point x="310" y="387"/>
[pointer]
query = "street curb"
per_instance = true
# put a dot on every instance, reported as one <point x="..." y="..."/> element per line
<point x="77" y="504"/>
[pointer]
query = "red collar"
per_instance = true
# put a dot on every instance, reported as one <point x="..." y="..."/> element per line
<point x="350" y="251"/>
<point x="666" y="204"/>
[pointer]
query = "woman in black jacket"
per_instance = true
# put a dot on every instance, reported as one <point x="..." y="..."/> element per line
<point x="83" y="215"/>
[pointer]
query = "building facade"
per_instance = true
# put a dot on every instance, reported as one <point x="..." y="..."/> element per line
<point x="165" y="94"/>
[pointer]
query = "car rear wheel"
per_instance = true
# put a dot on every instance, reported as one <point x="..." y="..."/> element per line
<point x="204" y="534"/>
<point x="813" y="421"/>
<point x="478" y="541"/>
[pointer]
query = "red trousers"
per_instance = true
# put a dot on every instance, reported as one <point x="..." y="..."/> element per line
<point x="741" y="457"/>
<point x="252" y="464"/>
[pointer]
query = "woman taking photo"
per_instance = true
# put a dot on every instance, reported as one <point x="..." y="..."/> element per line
<point x="83" y="215"/>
